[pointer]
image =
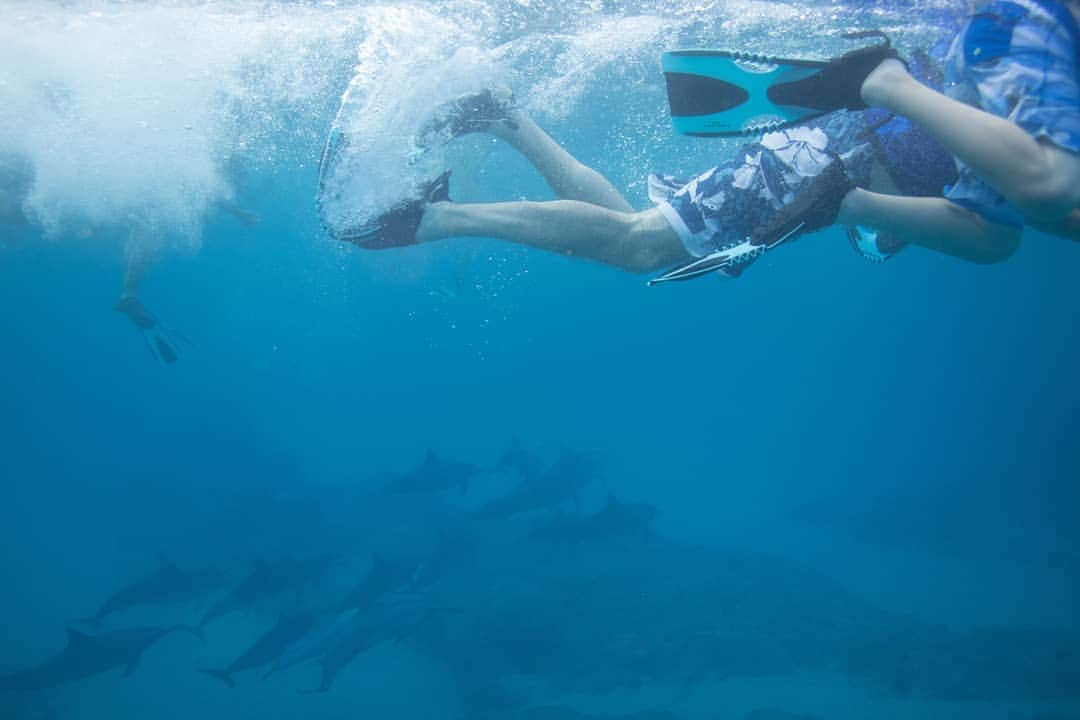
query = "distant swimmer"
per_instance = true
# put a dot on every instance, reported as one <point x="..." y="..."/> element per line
<point x="144" y="245"/>
<point x="770" y="191"/>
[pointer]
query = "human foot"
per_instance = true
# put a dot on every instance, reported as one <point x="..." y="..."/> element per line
<point x="878" y="86"/>
<point x="136" y="312"/>
<point x="399" y="225"/>
<point x="475" y="112"/>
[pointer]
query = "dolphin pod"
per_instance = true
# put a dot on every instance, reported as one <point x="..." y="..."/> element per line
<point x="484" y="593"/>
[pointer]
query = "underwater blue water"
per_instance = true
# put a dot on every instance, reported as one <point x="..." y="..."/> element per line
<point x="906" y="432"/>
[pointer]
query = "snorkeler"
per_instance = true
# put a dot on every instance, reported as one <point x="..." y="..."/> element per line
<point x="142" y="246"/>
<point x="1011" y="117"/>
<point x="1013" y="59"/>
<point x="720" y="221"/>
<point x="145" y="242"/>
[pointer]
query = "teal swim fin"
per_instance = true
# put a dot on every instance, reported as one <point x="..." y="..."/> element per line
<point x="716" y="93"/>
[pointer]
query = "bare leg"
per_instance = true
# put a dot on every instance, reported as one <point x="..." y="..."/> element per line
<point x="1040" y="178"/>
<point x="591" y="220"/>
<point x="934" y="223"/>
<point x="637" y="242"/>
<point x="139" y="253"/>
<point x="144" y="243"/>
<point x="567" y="176"/>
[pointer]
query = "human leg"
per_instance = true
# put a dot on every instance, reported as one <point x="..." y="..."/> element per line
<point x="568" y="177"/>
<point x="140" y="250"/>
<point x="591" y="219"/>
<point x="143" y="244"/>
<point x="494" y="111"/>
<point x="1041" y="179"/>
<point x="934" y="223"/>
<point x="1011" y="115"/>
<point x="636" y="242"/>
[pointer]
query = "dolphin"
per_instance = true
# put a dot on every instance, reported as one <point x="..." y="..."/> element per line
<point x="327" y="631"/>
<point x="267" y="581"/>
<point x="263" y="580"/>
<point x="385" y="582"/>
<point x="167" y="584"/>
<point x="434" y="475"/>
<point x="270" y="646"/>
<point x="617" y="519"/>
<point x="447" y="554"/>
<point x="88" y="655"/>
<point x="384" y="576"/>
<point x="519" y="461"/>
<point x="343" y="650"/>
<point x="570" y="473"/>
<point x="394" y="623"/>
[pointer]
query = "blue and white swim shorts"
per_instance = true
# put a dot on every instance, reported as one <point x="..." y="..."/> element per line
<point x="1018" y="60"/>
<point x="720" y="207"/>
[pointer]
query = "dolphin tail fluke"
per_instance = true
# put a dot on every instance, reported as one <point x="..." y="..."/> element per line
<point x="222" y="675"/>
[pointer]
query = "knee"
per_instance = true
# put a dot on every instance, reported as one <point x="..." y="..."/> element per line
<point x="650" y="243"/>
<point x="1054" y="192"/>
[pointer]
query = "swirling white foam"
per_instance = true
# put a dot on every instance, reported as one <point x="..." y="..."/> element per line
<point x="140" y="112"/>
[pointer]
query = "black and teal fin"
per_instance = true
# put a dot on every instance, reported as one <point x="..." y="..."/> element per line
<point x="717" y="93"/>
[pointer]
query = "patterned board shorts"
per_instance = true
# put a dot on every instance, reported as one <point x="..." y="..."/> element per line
<point x="1016" y="59"/>
<point x="722" y="206"/>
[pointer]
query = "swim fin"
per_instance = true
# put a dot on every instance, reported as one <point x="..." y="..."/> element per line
<point x="397" y="226"/>
<point x="163" y="343"/>
<point x="716" y="93"/>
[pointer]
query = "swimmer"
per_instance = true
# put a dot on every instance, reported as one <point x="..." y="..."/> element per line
<point x="720" y="221"/>
<point x="1011" y="117"/>
<point x="144" y="244"/>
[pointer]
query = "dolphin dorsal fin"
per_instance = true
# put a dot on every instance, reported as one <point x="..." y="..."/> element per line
<point x="77" y="637"/>
<point x="612" y="501"/>
<point x="430" y="458"/>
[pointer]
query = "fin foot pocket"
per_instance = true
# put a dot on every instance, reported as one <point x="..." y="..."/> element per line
<point x="397" y="226"/>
